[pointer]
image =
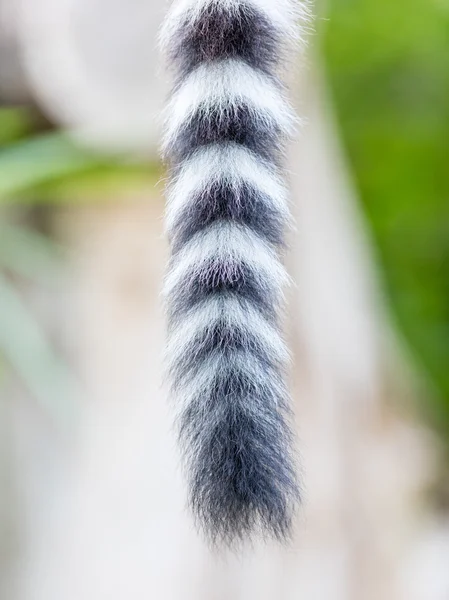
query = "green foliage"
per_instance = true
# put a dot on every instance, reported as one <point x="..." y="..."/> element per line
<point x="50" y="167"/>
<point x="388" y="63"/>
<point x="34" y="168"/>
<point x="24" y="346"/>
<point x="14" y="124"/>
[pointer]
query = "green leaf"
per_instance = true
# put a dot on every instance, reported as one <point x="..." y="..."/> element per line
<point x="14" y="124"/>
<point x="52" y="168"/>
<point x="25" y="348"/>
<point x="39" y="160"/>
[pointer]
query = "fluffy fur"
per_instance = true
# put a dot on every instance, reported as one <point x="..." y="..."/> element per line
<point x="226" y="126"/>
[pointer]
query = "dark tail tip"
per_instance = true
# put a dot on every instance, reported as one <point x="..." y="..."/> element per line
<point x="242" y="476"/>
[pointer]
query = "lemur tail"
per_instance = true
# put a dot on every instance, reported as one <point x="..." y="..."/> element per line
<point x="227" y="208"/>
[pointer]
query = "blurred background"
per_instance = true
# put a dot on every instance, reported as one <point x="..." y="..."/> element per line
<point x="92" y="503"/>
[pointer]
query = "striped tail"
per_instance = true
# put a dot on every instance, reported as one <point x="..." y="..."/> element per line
<point x="226" y="125"/>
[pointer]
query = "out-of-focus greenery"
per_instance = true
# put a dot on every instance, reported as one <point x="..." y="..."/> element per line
<point x="43" y="167"/>
<point x="388" y="64"/>
<point x="49" y="167"/>
<point x="24" y="347"/>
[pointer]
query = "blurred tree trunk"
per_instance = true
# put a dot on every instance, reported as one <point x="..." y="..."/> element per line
<point x="364" y="461"/>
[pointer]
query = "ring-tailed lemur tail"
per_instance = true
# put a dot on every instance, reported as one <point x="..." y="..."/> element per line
<point x="227" y="208"/>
